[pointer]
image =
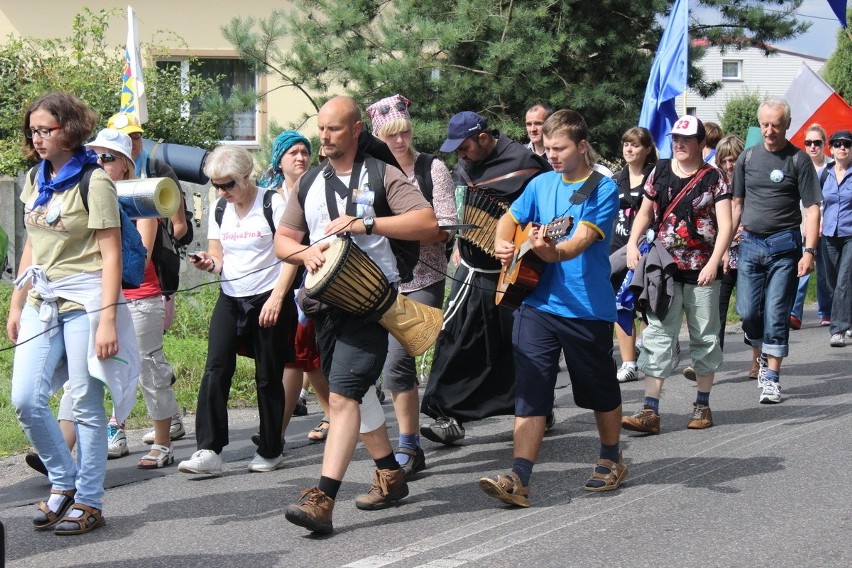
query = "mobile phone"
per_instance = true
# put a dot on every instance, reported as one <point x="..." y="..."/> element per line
<point x="194" y="256"/>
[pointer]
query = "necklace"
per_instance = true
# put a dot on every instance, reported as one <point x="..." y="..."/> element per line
<point x="683" y="173"/>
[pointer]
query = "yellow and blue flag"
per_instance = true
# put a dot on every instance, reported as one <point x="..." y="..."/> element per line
<point x="133" y="99"/>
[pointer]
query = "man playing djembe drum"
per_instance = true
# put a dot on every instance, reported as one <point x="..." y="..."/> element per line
<point x="352" y="348"/>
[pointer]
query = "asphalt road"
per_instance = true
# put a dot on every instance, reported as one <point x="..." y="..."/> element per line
<point x="769" y="485"/>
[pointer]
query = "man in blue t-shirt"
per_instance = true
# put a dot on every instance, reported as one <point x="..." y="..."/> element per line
<point x="572" y="308"/>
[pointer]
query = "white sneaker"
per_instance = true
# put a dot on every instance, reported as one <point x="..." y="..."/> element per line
<point x="260" y="464"/>
<point x="838" y="340"/>
<point x="116" y="441"/>
<point x="628" y="373"/>
<point x="771" y="392"/>
<point x="203" y="462"/>
<point x="176" y="431"/>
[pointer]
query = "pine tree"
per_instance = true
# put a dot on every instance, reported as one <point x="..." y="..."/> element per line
<point x="838" y="68"/>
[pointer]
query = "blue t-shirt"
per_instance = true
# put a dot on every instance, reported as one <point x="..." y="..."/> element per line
<point x="577" y="288"/>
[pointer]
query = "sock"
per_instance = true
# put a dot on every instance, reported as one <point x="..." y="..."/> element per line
<point x="653" y="404"/>
<point x="409" y="442"/>
<point x="631" y="364"/>
<point x="303" y="394"/>
<point x="774" y="376"/>
<point x="609" y="452"/>
<point x="112" y="420"/>
<point x="54" y="501"/>
<point x="524" y="470"/>
<point x="387" y="462"/>
<point x="702" y="398"/>
<point x="329" y="486"/>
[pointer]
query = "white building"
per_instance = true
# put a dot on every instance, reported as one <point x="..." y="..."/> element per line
<point x="741" y="72"/>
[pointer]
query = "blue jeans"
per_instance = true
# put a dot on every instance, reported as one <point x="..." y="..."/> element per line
<point x="35" y="364"/>
<point x="823" y="294"/>
<point x="838" y="263"/>
<point x="766" y="287"/>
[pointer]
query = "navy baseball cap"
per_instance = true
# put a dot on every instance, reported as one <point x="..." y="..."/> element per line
<point x="462" y="126"/>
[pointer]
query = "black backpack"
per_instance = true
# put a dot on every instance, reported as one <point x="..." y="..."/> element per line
<point x="406" y="253"/>
<point x="267" y="209"/>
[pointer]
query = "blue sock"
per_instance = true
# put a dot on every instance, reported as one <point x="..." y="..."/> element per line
<point x="653" y="404"/>
<point x="773" y="376"/>
<point x="702" y="398"/>
<point x="409" y="442"/>
<point x="524" y="470"/>
<point x="609" y="452"/>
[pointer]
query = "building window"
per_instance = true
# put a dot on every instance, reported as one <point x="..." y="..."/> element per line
<point x="691" y="110"/>
<point x="243" y="126"/>
<point x="732" y="70"/>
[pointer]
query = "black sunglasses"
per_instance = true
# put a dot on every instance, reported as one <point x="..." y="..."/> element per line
<point x="399" y="105"/>
<point x="106" y="158"/>
<point x="839" y="143"/>
<point x="225" y="186"/>
<point x="813" y="142"/>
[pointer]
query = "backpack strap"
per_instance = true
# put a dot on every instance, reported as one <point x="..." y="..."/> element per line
<point x="267" y="209"/>
<point x="423" y="173"/>
<point x="824" y="175"/>
<point x="84" y="183"/>
<point x="220" y="210"/>
<point x="307" y="180"/>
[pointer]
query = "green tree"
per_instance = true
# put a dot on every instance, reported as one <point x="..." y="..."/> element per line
<point x="838" y="68"/>
<point x="740" y="113"/>
<point x="496" y="57"/>
<point x="85" y="65"/>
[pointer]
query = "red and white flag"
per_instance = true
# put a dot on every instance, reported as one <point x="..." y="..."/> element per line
<point x="813" y="100"/>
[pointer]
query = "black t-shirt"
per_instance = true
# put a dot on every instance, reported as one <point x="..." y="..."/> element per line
<point x="629" y="201"/>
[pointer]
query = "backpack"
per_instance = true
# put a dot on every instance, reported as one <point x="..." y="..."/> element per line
<point x="824" y="174"/>
<point x="423" y="174"/>
<point x="152" y="168"/>
<point x="407" y="253"/>
<point x="267" y="209"/>
<point x="133" y="252"/>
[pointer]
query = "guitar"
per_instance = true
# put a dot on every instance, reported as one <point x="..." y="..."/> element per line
<point x="520" y="276"/>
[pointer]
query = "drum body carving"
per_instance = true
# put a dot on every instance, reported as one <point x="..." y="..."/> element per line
<point x="484" y="211"/>
<point x="350" y="281"/>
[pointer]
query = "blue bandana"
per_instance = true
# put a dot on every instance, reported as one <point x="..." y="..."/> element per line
<point x="273" y="177"/>
<point x="67" y="177"/>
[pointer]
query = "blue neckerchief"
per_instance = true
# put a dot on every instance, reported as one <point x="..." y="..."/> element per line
<point x="67" y="177"/>
<point x="141" y="162"/>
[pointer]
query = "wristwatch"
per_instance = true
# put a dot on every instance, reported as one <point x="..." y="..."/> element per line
<point x="806" y="249"/>
<point x="369" y="222"/>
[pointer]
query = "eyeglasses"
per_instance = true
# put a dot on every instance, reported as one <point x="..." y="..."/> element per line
<point x="813" y="143"/>
<point x="135" y="136"/>
<point x="399" y="105"/>
<point x="42" y="132"/>
<point x="106" y="158"/>
<point x="838" y="143"/>
<point x="225" y="186"/>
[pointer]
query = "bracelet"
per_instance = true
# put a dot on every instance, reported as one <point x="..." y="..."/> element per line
<point x="212" y="268"/>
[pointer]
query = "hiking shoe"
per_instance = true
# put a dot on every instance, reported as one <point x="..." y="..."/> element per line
<point x="838" y="340"/>
<point x="645" y="420"/>
<point x="770" y="393"/>
<point x="795" y="322"/>
<point x="116" y="441"/>
<point x="313" y="511"/>
<point x="701" y="417"/>
<point x="628" y="373"/>
<point x="205" y="462"/>
<point x="176" y="431"/>
<point x="443" y="430"/>
<point x="388" y="486"/>
<point x="416" y="461"/>
<point x="260" y="464"/>
<point x="301" y="408"/>
<point x="507" y="489"/>
<point x="690" y="374"/>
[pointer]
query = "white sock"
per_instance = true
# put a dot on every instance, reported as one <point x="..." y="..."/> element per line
<point x="74" y="513"/>
<point x="54" y="501"/>
<point x="630" y="364"/>
<point x="303" y="394"/>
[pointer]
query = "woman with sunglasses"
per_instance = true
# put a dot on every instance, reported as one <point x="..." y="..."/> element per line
<point x="392" y="125"/>
<point x="68" y="304"/>
<point x="837" y="235"/>
<point x="254" y="314"/>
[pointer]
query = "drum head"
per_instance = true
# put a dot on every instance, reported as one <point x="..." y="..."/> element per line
<point x="333" y="255"/>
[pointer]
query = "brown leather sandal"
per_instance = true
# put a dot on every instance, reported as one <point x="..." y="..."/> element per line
<point x="45" y="518"/>
<point x="506" y="488"/>
<point x="607" y="475"/>
<point x="320" y="433"/>
<point x="88" y="521"/>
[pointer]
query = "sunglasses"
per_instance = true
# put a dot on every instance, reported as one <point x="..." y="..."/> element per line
<point x="813" y="142"/>
<point x="838" y="143"/>
<point x="399" y="105"/>
<point x="225" y="186"/>
<point x="106" y="158"/>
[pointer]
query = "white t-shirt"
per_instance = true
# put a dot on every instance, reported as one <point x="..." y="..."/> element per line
<point x="248" y="247"/>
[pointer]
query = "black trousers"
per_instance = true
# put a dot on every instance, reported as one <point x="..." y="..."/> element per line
<point x="272" y="348"/>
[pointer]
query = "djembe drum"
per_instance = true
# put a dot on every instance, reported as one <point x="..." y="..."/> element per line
<point x="350" y="281"/>
<point x="484" y="211"/>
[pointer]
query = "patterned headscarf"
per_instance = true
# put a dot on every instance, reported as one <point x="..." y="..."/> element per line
<point x="388" y="108"/>
<point x="273" y="177"/>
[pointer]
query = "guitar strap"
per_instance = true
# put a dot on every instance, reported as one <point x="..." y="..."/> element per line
<point x="587" y="188"/>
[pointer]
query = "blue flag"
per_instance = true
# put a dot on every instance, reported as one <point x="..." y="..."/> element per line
<point x="667" y="79"/>
<point x="839" y="9"/>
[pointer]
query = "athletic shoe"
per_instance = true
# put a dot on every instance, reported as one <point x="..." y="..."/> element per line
<point x="763" y="366"/>
<point x="644" y="420"/>
<point x="313" y="511"/>
<point x="628" y="373"/>
<point x="690" y="374"/>
<point x="205" y="462"/>
<point x="795" y="323"/>
<point x="176" y="430"/>
<point x="838" y="340"/>
<point x="824" y="322"/>
<point x="701" y="417"/>
<point x="849" y="333"/>
<point x="117" y="441"/>
<point x="771" y="393"/>
<point x="260" y="464"/>
<point x="443" y="430"/>
<point x="301" y="408"/>
<point x="388" y="486"/>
